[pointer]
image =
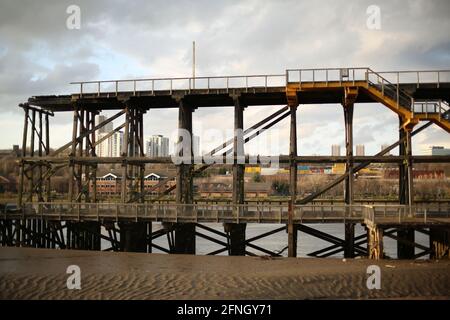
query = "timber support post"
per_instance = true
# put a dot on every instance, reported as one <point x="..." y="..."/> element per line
<point x="236" y="231"/>
<point x="375" y="241"/>
<point x="292" y="228"/>
<point x="185" y="232"/>
<point x="404" y="251"/>
<point x="133" y="236"/>
<point x="439" y="243"/>
<point x="83" y="235"/>
<point x="350" y="95"/>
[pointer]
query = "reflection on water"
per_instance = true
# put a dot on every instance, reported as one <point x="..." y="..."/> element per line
<point x="278" y="241"/>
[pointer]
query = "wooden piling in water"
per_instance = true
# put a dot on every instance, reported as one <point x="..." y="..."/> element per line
<point x="439" y="243"/>
<point x="375" y="247"/>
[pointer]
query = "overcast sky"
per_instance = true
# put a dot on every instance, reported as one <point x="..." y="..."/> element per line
<point x="136" y="39"/>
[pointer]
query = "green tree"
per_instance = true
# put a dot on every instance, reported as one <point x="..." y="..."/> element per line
<point x="257" y="177"/>
<point x="280" y="188"/>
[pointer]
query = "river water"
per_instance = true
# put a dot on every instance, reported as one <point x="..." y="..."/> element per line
<point x="278" y="241"/>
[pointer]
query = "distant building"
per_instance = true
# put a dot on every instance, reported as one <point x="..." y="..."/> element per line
<point x="360" y="150"/>
<point x="417" y="174"/>
<point x="111" y="184"/>
<point x="107" y="127"/>
<point x="253" y="169"/>
<point x="338" y="168"/>
<point x="384" y="146"/>
<point x="14" y="152"/>
<point x="335" y="150"/>
<point x="116" y="144"/>
<point x="157" y="146"/>
<point x="102" y="149"/>
<point x="224" y="190"/>
<point x="111" y="146"/>
<point x="440" y="151"/>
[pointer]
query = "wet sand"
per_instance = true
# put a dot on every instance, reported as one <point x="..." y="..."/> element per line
<point x="41" y="274"/>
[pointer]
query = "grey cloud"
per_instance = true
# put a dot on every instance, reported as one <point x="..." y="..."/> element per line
<point x="39" y="55"/>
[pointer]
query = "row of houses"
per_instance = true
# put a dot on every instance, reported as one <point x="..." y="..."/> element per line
<point x="110" y="184"/>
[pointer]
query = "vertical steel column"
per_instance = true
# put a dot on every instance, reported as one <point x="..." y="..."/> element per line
<point x="47" y="243"/>
<point x="403" y="176"/>
<point x="404" y="251"/>
<point x="292" y="229"/>
<point x="410" y="167"/>
<point x="348" y="191"/>
<point x="24" y="154"/>
<point x="87" y="167"/>
<point x="185" y="232"/>
<point x="142" y="154"/>
<point x="133" y="235"/>
<point x="238" y="153"/>
<point x="79" y="175"/>
<point x="23" y="173"/>
<point x="31" y="173"/>
<point x="236" y="231"/>
<point x="41" y="137"/>
<point x="47" y="153"/>
<point x="132" y="152"/>
<point x="73" y="153"/>
<point x="93" y="171"/>
<point x="125" y="150"/>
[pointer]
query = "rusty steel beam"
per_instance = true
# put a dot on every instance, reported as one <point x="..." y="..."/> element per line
<point x="362" y="165"/>
<point x="86" y="133"/>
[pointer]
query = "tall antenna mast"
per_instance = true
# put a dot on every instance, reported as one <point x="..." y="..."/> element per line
<point x="193" y="63"/>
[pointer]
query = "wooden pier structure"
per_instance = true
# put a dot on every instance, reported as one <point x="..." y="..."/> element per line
<point x="419" y="98"/>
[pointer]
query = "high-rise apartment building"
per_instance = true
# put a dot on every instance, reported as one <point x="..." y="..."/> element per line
<point x="112" y="146"/>
<point x="335" y="150"/>
<point x="360" y="150"/>
<point x="157" y="146"/>
<point x="107" y="127"/>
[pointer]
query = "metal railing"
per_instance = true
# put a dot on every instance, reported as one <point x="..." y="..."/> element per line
<point x="326" y="75"/>
<point x="386" y="82"/>
<point x="181" y="83"/>
<point x="405" y="213"/>
<point x="418" y="77"/>
<point x="171" y="212"/>
<point x="351" y="75"/>
<point x="256" y="213"/>
<point x="333" y="212"/>
<point x="390" y="89"/>
<point x="432" y="107"/>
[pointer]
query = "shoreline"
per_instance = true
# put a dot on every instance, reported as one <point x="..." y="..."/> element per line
<point x="29" y="273"/>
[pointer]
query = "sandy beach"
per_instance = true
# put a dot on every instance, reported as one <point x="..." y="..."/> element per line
<point x="41" y="274"/>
